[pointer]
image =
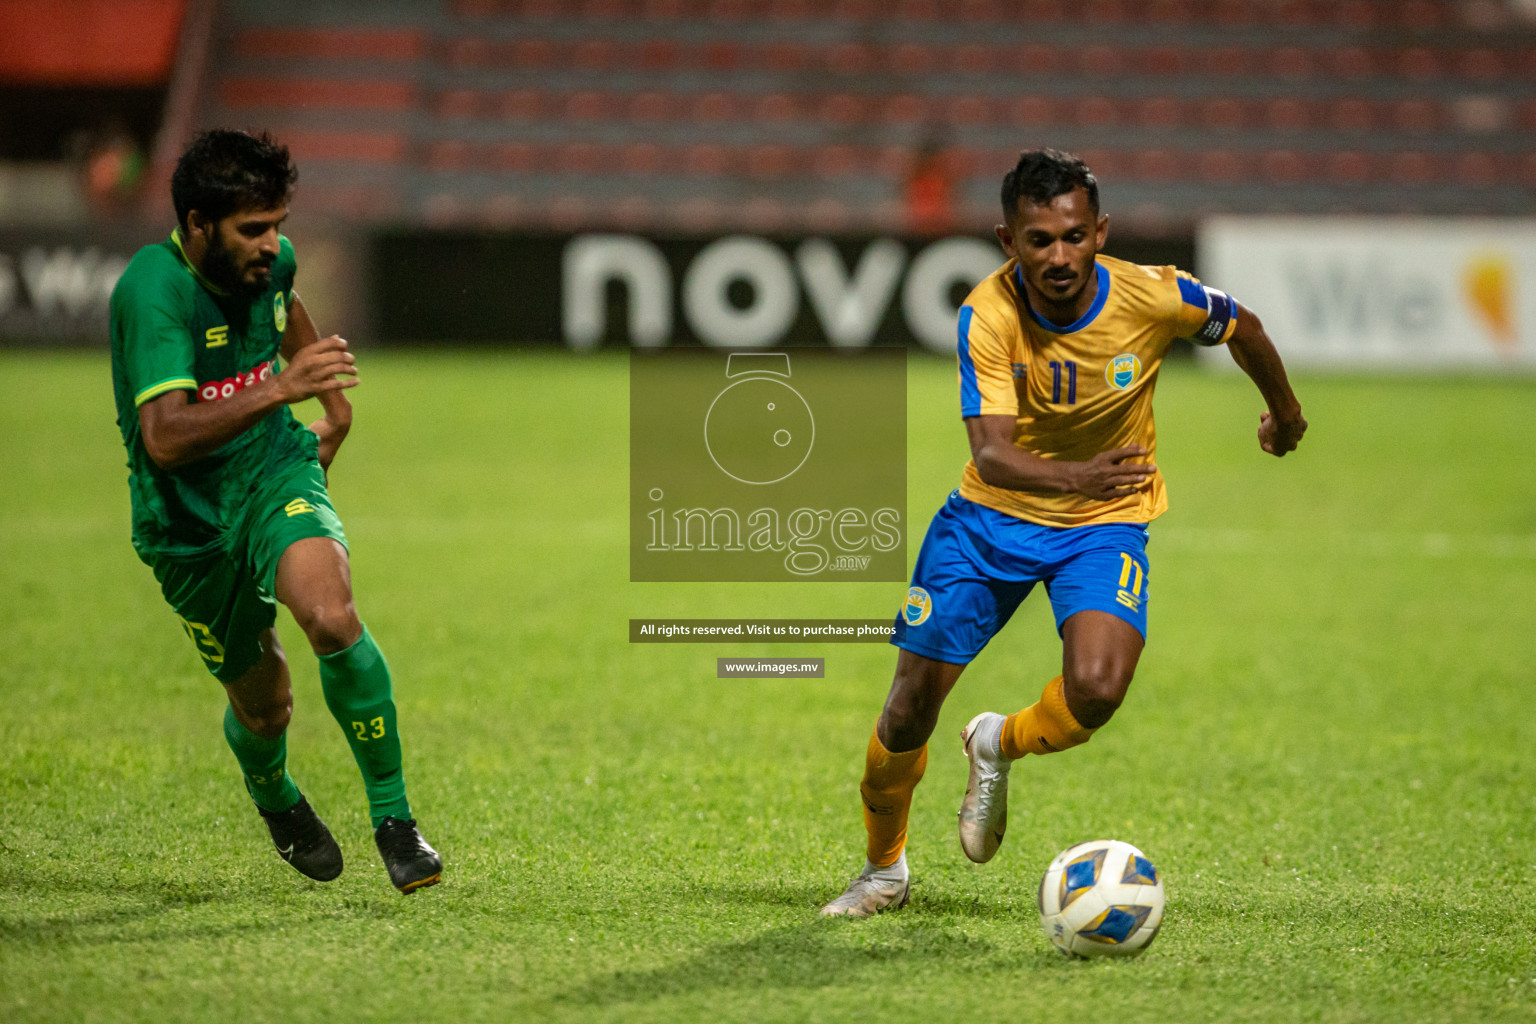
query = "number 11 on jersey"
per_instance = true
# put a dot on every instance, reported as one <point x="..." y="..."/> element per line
<point x="1056" y="374"/>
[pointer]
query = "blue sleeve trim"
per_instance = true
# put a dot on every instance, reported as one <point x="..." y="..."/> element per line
<point x="970" y="394"/>
<point x="1193" y="292"/>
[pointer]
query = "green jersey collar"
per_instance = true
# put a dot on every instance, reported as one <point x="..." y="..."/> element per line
<point x="176" y="238"/>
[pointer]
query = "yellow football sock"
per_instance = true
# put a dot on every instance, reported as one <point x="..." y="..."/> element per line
<point x="1044" y="727"/>
<point x="887" y="791"/>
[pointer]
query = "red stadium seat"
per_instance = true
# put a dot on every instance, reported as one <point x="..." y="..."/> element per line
<point x="718" y="55"/>
<point x="633" y="213"/>
<point x="1105" y="12"/>
<point x="1356" y="14"/>
<point x="776" y="107"/>
<point x="1414" y="168"/>
<point x="848" y="58"/>
<point x="654" y="106"/>
<point x="332" y="44"/>
<point x="1040" y="12"/>
<point x="857" y="10"/>
<point x="1225" y="113"/>
<point x="1477" y="168"/>
<point x="1289" y="114"/>
<point x="1350" y="62"/>
<point x="659" y="55"/>
<point x="764" y="214"/>
<point x="1419" y="15"/>
<point x="451" y="155"/>
<point x="459" y="104"/>
<point x="892" y="162"/>
<point x="842" y="108"/>
<point x="791" y="10"/>
<point x="1222" y="166"/>
<point x="784" y="57"/>
<point x="1418" y="62"/>
<point x="247" y="93"/>
<point x="1156" y="112"/>
<point x="1163" y="60"/>
<point x="1235" y="13"/>
<point x="515" y="157"/>
<point x="707" y="160"/>
<point x="469" y="52"/>
<point x="1156" y="165"/>
<point x="1297" y="14"/>
<point x="1285" y="166"/>
<point x="1482" y="63"/>
<point x="535" y="54"/>
<point x="1030" y="110"/>
<point x="973" y="59"/>
<point x="582" y="158"/>
<point x="1291" y="62"/>
<point x="1031" y="59"/>
<point x="835" y="161"/>
<point x="921" y="10"/>
<point x="1348" y="167"/>
<point x="969" y="110"/>
<point x="828" y="215"/>
<point x="521" y="105"/>
<point x="1101" y="60"/>
<point x="905" y="108"/>
<point x="362" y="147"/>
<point x="1095" y="112"/>
<point x="912" y="59"/>
<point x="1170" y="12"/>
<point x="1351" y="115"/>
<point x="715" y="107"/>
<point x="643" y="158"/>
<point x="1416" y="115"/>
<point x="590" y="105"/>
<point x="1226" y="60"/>
<point x="769" y="162"/>
<point x="596" y="55"/>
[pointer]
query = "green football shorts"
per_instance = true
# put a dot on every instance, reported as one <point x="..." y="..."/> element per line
<point x="225" y="598"/>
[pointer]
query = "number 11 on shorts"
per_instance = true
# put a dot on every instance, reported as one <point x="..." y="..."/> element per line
<point x="1130" y="590"/>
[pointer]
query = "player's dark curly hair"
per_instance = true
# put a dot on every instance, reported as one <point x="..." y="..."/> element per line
<point x="225" y="171"/>
<point x="1043" y="174"/>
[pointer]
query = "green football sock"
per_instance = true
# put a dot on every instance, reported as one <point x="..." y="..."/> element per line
<point x="263" y="762"/>
<point x="358" y="692"/>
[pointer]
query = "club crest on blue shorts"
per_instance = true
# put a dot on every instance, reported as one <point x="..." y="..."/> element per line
<point x="917" y="607"/>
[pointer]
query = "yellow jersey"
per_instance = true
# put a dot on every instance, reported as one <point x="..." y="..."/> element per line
<point x="1084" y="388"/>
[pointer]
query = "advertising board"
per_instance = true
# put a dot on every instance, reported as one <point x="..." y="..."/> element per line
<point x="1385" y="293"/>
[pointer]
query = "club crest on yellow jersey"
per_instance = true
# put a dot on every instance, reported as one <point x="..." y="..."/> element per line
<point x="1123" y="371"/>
<point x="917" y="607"/>
<point x="279" y="313"/>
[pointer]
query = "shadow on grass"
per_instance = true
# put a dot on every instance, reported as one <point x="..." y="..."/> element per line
<point x="925" y="903"/>
<point x="126" y="911"/>
<point x="815" y="954"/>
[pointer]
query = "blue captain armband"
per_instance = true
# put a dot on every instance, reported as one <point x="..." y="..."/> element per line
<point x="1220" y="311"/>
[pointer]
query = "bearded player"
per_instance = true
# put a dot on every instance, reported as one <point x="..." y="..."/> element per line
<point x="1059" y="351"/>
<point x="210" y="345"/>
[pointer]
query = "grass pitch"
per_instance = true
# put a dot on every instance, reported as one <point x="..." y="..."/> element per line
<point x="1327" y="750"/>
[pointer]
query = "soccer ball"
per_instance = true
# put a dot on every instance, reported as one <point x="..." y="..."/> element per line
<point x="1101" y="898"/>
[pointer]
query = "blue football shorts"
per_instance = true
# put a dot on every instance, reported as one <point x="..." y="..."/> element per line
<point x="977" y="564"/>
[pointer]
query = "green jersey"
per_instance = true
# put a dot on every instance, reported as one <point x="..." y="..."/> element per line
<point x="173" y="329"/>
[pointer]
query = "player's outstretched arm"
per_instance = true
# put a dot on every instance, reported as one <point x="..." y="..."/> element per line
<point x="177" y="432"/>
<point x="1280" y="428"/>
<point x="332" y="428"/>
<point x="1002" y="463"/>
